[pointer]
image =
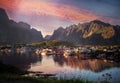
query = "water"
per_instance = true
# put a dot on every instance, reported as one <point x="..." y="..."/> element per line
<point x="64" y="66"/>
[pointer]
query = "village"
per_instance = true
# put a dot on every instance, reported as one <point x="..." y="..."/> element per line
<point x="108" y="53"/>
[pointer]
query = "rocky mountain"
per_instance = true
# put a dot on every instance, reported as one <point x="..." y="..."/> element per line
<point x="93" y="33"/>
<point x="47" y="37"/>
<point x="13" y="32"/>
<point x="58" y="34"/>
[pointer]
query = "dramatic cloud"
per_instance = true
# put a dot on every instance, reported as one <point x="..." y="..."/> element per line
<point x="52" y="9"/>
<point x="52" y="14"/>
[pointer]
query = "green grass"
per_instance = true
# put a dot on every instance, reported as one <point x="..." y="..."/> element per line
<point x="10" y="74"/>
<point x="15" y="78"/>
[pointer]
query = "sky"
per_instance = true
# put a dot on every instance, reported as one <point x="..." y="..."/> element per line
<point x="48" y="15"/>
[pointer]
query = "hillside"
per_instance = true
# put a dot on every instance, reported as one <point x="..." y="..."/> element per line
<point x="51" y="43"/>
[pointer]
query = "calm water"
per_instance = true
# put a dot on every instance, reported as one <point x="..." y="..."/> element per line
<point x="64" y="67"/>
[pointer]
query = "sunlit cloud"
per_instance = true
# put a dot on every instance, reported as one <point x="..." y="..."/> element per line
<point x="44" y="8"/>
<point x="61" y="11"/>
<point x="49" y="14"/>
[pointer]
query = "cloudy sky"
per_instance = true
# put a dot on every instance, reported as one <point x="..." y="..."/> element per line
<point x="48" y="15"/>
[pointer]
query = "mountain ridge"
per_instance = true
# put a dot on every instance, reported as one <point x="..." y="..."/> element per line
<point x="13" y="32"/>
<point x="94" y="32"/>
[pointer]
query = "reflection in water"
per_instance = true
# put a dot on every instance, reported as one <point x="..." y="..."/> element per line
<point x="96" y="69"/>
<point x="75" y="67"/>
<point x="20" y="60"/>
<point x="61" y="60"/>
<point x="76" y="62"/>
<point x="62" y="66"/>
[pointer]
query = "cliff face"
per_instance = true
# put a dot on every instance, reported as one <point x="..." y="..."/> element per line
<point x="12" y="32"/>
<point x="58" y="34"/>
<point x="93" y="33"/>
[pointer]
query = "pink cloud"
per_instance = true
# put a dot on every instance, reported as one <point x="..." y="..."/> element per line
<point x="61" y="11"/>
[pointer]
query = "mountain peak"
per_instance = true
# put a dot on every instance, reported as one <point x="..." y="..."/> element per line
<point x="60" y="28"/>
<point x="3" y="16"/>
<point x="1" y="9"/>
<point x="100" y="22"/>
<point x="47" y="37"/>
<point x="97" y="21"/>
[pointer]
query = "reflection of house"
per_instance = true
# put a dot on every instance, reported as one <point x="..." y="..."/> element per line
<point x="94" y="65"/>
<point x="58" y="59"/>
